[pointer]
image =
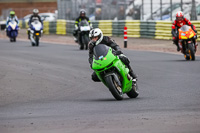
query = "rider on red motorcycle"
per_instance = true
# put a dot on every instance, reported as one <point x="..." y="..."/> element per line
<point x="178" y="23"/>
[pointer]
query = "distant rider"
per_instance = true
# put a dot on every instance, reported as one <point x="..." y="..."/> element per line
<point x="10" y="18"/>
<point x="33" y="18"/>
<point x="178" y="23"/>
<point x="81" y="17"/>
<point x="97" y="37"/>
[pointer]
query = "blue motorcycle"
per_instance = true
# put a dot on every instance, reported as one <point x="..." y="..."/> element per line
<point x="12" y="30"/>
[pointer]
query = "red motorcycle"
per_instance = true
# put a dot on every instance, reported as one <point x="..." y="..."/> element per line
<point x="187" y="42"/>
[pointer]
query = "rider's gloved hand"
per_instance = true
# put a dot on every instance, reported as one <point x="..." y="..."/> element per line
<point x="76" y="27"/>
<point x="176" y="35"/>
<point x="117" y="52"/>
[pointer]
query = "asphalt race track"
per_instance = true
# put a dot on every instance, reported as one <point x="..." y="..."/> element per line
<point x="48" y="89"/>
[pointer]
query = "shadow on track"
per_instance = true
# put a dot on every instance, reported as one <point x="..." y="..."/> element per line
<point x="179" y="60"/>
<point x="110" y="100"/>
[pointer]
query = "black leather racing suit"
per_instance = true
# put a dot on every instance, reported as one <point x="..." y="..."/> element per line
<point x="33" y="18"/>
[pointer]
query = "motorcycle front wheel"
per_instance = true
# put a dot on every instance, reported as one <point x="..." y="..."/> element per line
<point x="133" y="93"/>
<point x="37" y="40"/>
<point x="191" y="51"/>
<point x="114" y="88"/>
<point x="85" y="40"/>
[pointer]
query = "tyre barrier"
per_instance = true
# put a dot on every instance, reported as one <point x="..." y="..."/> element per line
<point x="135" y="28"/>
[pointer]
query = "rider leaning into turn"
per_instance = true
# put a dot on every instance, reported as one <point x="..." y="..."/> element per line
<point x="79" y="19"/>
<point x="178" y="23"/>
<point x="11" y="17"/>
<point x="33" y="17"/>
<point x="97" y="37"/>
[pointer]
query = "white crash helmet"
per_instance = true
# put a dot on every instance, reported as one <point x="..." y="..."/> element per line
<point x="35" y="11"/>
<point x="96" y="32"/>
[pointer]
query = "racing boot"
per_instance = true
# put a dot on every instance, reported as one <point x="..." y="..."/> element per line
<point x="75" y="39"/>
<point x="196" y="44"/>
<point x="7" y="33"/>
<point x="75" y="33"/>
<point x="178" y="48"/>
<point x="28" y="32"/>
<point x="132" y="74"/>
<point x="176" y="43"/>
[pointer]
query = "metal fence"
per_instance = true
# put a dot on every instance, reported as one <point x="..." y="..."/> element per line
<point x="128" y="9"/>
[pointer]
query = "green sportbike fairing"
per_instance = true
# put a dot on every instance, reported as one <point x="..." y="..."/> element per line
<point x="113" y="72"/>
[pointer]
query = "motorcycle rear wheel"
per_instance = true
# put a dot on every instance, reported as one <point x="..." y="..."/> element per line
<point x="114" y="88"/>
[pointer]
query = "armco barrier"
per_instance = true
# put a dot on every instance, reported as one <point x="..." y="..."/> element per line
<point x="197" y="25"/>
<point x="61" y="27"/>
<point x="2" y="25"/>
<point x="147" y="29"/>
<point x="163" y="30"/>
<point x="106" y="27"/>
<point x="52" y="27"/>
<point x="135" y="28"/>
<point x="46" y="27"/>
<point x="70" y="27"/>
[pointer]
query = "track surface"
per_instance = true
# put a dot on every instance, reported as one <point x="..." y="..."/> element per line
<point x="48" y="89"/>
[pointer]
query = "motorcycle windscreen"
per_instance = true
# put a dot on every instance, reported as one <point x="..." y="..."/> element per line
<point x="13" y="24"/>
<point x="100" y="51"/>
<point x="185" y="28"/>
<point x="83" y="23"/>
<point x="36" y="25"/>
<point x="186" y="32"/>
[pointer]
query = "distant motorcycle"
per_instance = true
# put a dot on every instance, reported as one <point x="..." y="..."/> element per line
<point x="83" y="34"/>
<point x="36" y="32"/>
<point x="12" y="30"/>
<point x="186" y="36"/>
<point x="113" y="72"/>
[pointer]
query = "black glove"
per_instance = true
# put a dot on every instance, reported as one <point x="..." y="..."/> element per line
<point x="117" y="52"/>
<point x="175" y="35"/>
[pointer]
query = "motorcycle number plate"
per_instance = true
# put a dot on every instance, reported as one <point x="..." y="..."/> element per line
<point x="37" y="34"/>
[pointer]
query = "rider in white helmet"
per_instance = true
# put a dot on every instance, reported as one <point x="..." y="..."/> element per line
<point x="97" y="37"/>
<point x="33" y="18"/>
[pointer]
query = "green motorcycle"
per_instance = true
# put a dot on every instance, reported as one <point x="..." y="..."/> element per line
<point x="113" y="72"/>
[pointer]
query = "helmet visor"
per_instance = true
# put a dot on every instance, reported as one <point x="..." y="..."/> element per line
<point x="179" y="18"/>
<point x="82" y="15"/>
<point x="12" y="15"/>
<point x="94" y="38"/>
